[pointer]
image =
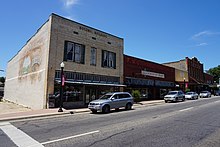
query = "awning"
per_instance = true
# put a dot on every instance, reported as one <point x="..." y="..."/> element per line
<point x="98" y="84"/>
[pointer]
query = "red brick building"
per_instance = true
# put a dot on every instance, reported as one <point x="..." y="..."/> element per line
<point x="153" y="80"/>
<point x="196" y="77"/>
<point x="208" y="79"/>
<point x="209" y="83"/>
<point x="195" y="72"/>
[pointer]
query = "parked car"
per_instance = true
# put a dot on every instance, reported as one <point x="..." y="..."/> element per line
<point x="174" y="96"/>
<point x="110" y="101"/>
<point x="191" y="95"/>
<point x="205" y="94"/>
<point x="217" y="93"/>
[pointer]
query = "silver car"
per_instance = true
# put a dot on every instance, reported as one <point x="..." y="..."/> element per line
<point x="191" y="95"/>
<point x="205" y="94"/>
<point x="110" y="101"/>
<point x="174" y="96"/>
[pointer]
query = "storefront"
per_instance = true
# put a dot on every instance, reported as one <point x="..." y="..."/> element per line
<point x="151" y="79"/>
<point x="81" y="88"/>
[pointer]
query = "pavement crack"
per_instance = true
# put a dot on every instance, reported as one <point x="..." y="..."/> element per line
<point x="110" y="136"/>
<point x="155" y="117"/>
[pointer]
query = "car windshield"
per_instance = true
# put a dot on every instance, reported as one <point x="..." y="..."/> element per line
<point x="204" y="92"/>
<point x="106" y="96"/>
<point x="189" y="93"/>
<point x="172" y="93"/>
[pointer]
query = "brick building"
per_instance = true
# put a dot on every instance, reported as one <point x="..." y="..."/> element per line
<point x="195" y="73"/>
<point x="209" y="83"/>
<point x="93" y="64"/>
<point x="208" y="79"/>
<point x="153" y="80"/>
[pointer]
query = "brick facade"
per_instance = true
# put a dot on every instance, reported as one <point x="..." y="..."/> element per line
<point x="36" y="67"/>
<point x="142" y="74"/>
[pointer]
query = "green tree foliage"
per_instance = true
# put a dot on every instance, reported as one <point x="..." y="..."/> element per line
<point x="136" y="94"/>
<point x="2" y="79"/>
<point x="215" y="72"/>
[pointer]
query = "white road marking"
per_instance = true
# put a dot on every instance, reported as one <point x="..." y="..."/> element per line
<point x="19" y="137"/>
<point x="70" y="137"/>
<point x="186" y="109"/>
<point x="216" y="101"/>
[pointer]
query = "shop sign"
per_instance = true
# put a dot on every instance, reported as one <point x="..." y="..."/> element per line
<point x="164" y="84"/>
<point x="152" y="74"/>
<point x="93" y="32"/>
<point x="136" y="81"/>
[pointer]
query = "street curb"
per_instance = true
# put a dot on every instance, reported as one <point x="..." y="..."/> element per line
<point x="66" y="112"/>
<point x="32" y="116"/>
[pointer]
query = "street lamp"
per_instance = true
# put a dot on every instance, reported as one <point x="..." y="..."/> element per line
<point x="184" y="84"/>
<point x="61" y="87"/>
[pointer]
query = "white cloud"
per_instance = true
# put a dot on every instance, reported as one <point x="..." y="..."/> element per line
<point x="69" y="3"/>
<point x="202" y="44"/>
<point x="67" y="8"/>
<point x="204" y="34"/>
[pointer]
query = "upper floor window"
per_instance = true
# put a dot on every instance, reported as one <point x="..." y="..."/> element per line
<point x="108" y="59"/>
<point x="93" y="56"/>
<point x="74" y="52"/>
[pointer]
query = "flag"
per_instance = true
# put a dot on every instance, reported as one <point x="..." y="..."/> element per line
<point x="63" y="80"/>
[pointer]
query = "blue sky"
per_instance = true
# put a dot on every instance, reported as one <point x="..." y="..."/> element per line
<point x="156" y="30"/>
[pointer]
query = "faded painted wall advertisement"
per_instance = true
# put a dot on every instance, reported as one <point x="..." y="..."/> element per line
<point x="30" y="63"/>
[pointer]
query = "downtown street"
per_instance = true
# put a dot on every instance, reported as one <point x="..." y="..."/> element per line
<point x="185" y="124"/>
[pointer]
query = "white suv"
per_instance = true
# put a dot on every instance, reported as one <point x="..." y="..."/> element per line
<point x="110" y="101"/>
<point x="174" y="96"/>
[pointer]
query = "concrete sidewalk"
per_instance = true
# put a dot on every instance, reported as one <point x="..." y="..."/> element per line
<point x="10" y="111"/>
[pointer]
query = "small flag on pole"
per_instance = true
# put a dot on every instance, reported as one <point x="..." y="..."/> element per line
<point x="63" y="80"/>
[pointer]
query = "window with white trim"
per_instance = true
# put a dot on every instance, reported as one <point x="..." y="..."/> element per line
<point x="108" y="59"/>
<point x="74" y="52"/>
<point x="93" y="56"/>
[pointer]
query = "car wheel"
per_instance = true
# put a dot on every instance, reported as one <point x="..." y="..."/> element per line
<point x="165" y="101"/>
<point x="183" y="99"/>
<point x="106" y="109"/>
<point x="128" y="106"/>
<point x="176" y="99"/>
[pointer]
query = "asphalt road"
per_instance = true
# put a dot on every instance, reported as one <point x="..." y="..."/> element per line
<point x="183" y="124"/>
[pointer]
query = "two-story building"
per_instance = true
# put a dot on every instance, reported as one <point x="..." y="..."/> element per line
<point x="195" y="78"/>
<point x="93" y="62"/>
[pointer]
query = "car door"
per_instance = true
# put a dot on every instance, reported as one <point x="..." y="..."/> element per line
<point x="180" y="95"/>
<point x="115" y="102"/>
<point x="123" y="100"/>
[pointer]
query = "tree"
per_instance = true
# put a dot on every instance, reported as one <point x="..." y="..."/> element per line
<point x="215" y="72"/>
<point x="2" y="79"/>
<point x="136" y="94"/>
